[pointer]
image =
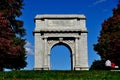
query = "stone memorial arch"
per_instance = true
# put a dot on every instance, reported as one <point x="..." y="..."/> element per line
<point x="68" y="30"/>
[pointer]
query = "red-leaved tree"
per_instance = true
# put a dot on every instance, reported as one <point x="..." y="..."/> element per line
<point x="108" y="46"/>
<point x="12" y="51"/>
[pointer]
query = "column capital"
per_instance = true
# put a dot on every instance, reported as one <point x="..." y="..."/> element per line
<point x="77" y="37"/>
<point x="45" y="37"/>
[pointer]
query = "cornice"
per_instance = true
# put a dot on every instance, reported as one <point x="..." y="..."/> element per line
<point x="60" y="16"/>
<point x="60" y="31"/>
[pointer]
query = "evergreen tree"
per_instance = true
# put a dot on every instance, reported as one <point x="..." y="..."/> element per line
<point x="108" y="46"/>
<point x="12" y="51"/>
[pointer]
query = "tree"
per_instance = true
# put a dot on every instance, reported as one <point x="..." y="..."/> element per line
<point x="108" y="46"/>
<point x="12" y="51"/>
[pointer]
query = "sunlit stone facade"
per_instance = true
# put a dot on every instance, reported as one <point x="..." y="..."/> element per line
<point x="68" y="30"/>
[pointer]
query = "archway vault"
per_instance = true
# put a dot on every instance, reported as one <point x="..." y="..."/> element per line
<point x="61" y="57"/>
<point x="69" y="30"/>
<point x="64" y="44"/>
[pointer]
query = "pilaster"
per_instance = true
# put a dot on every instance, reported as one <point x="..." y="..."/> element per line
<point x="38" y="52"/>
<point x="83" y="52"/>
<point x="46" y="56"/>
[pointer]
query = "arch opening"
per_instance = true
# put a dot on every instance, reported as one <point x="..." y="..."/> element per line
<point x="60" y="57"/>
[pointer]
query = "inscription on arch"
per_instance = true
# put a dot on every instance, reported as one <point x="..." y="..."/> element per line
<point x="61" y="23"/>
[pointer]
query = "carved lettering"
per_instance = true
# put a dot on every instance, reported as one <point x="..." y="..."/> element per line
<point x="61" y="23"/>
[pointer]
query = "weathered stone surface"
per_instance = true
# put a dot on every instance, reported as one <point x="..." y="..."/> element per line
<point x="69" y="30"/>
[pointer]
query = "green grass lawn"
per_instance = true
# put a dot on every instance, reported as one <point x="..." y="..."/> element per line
<point x="60" y="75"/>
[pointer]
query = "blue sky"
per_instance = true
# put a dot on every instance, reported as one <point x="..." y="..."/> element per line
<point x="96" y="11"/>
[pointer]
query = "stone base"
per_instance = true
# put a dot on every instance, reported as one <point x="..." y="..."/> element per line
<point x="38" y="69"/>
<point x="81" y="68"/>
<point x="45" y="68"/>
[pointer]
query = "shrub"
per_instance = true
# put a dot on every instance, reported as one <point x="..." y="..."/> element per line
<point x="98" y="65"/>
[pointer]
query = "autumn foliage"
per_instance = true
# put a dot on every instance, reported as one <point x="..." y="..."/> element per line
<point x="108" y="46"/>
<point x="12" y="51"/>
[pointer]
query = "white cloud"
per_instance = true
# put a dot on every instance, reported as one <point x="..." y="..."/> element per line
<point x="29" y="48"/>
<point x="98" y="2"/>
